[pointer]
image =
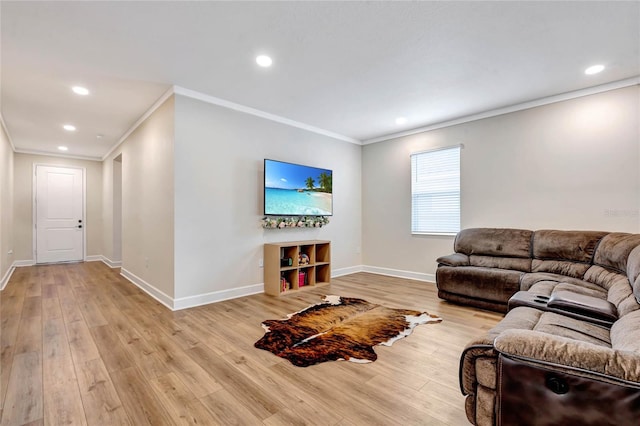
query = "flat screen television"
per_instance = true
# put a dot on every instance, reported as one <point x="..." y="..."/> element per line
<point x="297" y="190"/>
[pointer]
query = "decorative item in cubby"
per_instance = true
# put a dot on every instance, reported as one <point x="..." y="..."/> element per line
<point x="286" y="261"/>
<point x="284" y="284"/>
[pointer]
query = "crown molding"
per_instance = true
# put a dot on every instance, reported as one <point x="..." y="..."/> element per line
<point x="6" y="132"/>
<point x="53" y="154"/>
<point x="258" y="113"/>
<point x="166" y="95"/>
<point x="279" y="119"/>
<point x="513" y="108"/>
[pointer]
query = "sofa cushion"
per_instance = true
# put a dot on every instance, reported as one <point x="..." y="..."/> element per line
<point x="547" y="288"/>
<point x="622" y="297"/>
<point x="561" y="267"/>
<point x="605" y="278"/>
<point x="494" y="242"/>
<point x="614" y="249"/>
<point x="633" y="264"/>
<point x="576" y="246"/>
<point x="560" y="325"/>
<point x="477" y="282"/>
<point x="543" y="288"/>
<point x="619" y="291"/>
<point x="626" y="305"/>
<point x="515" y="263"/>
<point x="528" y="280"/>
<point x="633" y="271"/>
<point x="625" y="334"/>
<point x="587" y="289"/>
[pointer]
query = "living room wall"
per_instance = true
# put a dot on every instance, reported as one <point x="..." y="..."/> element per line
<point x="6" y="206"/>
<point x="147" y="203"/>
<point x="219" y="157"/>
<point x="566" y="165"/>
<point x="23" y="202"/>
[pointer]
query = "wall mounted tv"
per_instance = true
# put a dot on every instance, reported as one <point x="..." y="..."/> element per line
<point x="297" y="190"/>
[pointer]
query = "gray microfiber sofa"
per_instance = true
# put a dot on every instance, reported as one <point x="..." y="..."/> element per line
<point x="542" y="367"/>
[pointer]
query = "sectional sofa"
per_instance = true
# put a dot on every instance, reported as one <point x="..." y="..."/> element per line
<point x="568" y="350"/>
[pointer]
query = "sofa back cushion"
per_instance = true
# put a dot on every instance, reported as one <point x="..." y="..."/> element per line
<point x="625" y="333"/>
<point x="560" y="267"/>
<point x="515" y="263"/>
<point x="502" y="242"/>
<point x="575" y="246"/>
<point x="614" y="250"/>
<point x="633" y="271"/>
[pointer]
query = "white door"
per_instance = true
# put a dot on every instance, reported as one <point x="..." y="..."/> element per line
<point x="59" y="214"/>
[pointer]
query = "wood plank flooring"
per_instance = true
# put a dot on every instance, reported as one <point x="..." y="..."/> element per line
<point x="80" y="345"/>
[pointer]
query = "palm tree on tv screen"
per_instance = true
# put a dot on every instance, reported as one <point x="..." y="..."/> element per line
<point x="325" y="182"/>
<point x="310" y="183"/>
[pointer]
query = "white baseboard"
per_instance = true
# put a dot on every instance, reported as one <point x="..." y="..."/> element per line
<point x="346" y="271"/>
<point x="111" y="263"/>
<point x="148" y="288"/>
<point x="419" y="276"/>
<point x="100" y="258"/>
<point x="219" y="296"/>
<point x="7" y="276"/>
<point x="190" y="301"/>
<point x="216" y="296"/>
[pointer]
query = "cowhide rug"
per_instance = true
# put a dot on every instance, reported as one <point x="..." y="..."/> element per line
<point x="338" y="328"/>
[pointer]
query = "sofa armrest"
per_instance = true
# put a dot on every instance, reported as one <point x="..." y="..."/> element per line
<point x="468" y="374"/>
<point x="569" y="354"/>
<point x="455" y="259"/>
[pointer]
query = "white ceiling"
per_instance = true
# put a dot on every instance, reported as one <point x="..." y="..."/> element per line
<point x="347" y="67"/>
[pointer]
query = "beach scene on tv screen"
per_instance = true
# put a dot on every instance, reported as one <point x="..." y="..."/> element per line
<point x="293" y="189"/>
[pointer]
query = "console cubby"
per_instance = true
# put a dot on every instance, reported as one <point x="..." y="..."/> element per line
<point x="317" y="272"/>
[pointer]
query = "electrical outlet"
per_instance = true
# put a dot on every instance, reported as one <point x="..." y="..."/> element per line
<point x="261" y="263"/>
<point x="10" y="252"/>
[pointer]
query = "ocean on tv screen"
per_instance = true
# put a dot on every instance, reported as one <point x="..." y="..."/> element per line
<point x="296" y="202"/>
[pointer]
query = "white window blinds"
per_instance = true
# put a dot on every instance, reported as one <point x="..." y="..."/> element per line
<point x="435" y="191"/>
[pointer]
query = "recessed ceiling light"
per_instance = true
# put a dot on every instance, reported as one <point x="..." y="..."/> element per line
<point x="99" y="136"/>
<point x="79" y="90"/>
<point x="264" y="61"/>
<point x="401" y="120"/>
<point x="63" y="148"/>
<point x="595" y="69"/>
<point x="69" y="128"/>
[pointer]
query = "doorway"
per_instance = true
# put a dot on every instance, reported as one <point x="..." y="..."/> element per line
<point x="59" y="214"/>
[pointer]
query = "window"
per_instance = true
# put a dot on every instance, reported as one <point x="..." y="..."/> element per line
<point x="435" y="191"/>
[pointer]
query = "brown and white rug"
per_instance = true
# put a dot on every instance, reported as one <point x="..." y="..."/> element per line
<point x="339" y="328"/>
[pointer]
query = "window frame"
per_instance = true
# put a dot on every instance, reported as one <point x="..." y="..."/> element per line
<point x="420" y="156"/>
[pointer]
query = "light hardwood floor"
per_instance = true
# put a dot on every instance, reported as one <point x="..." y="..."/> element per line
<point x="81" y="345"/>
